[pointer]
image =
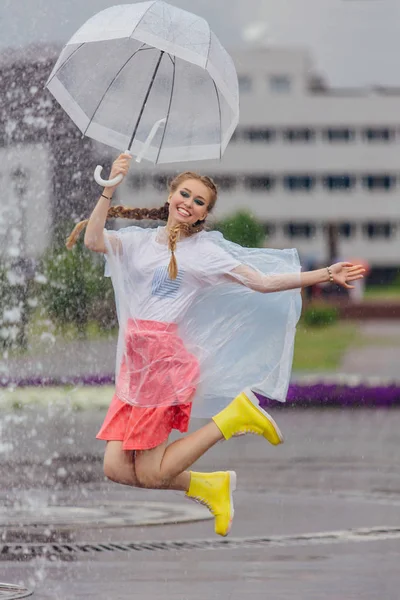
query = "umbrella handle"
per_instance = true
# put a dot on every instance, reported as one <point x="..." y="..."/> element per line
<point x="150" y="137"/>
<point x="116" y="180"/>
<point x="107" y="182"/>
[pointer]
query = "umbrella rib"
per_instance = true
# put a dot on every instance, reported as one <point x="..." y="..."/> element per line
<point x="209" y="50"/>
<point x="110" y="84"/>
<point x="145" y="100"/>
<point x="142" y="17"/>
<point x="220" y="124"/>
<point x="65" y="63"/>
<point x="169" y="108"/>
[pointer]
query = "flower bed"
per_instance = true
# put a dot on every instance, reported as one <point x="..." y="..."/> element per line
<point x="321" y="395"/>
<point x="345" y="392"/>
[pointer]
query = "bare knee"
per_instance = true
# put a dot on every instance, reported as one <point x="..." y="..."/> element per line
<point x="148" y="466"/>
<point x="119" y="474"/>
<point x="151" y="479"/>
<point x="111" y="471"/>
<point x="119" y="468"/>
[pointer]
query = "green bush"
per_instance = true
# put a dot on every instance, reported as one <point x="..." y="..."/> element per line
<point x="242" y="228"/>
<point x="76" y="290"/>
<point x="5" y="288"/>
<point x="320" y="316"/>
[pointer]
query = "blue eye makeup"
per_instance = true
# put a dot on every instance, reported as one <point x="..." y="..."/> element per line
<point x="186" y="194"/>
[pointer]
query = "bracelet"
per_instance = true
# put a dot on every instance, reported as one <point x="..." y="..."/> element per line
<point x="330" y="274"/>
<point x="106" y="197"/>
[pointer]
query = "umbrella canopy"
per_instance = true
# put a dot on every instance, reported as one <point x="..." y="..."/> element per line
<point x="134" y="65"/>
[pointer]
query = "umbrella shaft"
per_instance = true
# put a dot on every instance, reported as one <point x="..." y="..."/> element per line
<point x="145" y="100"/>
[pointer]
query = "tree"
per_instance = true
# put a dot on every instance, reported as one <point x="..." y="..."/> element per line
<point x="75" y="288"/>
<point x="242" y="228"/>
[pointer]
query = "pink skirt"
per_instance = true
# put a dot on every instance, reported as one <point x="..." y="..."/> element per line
<point x="154" y="388"/>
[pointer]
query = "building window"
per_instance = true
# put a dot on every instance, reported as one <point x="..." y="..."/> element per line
<point x="296" y="183"/>
<point x="379" y="182"/>
<point x="245" y="83"/>
<point x="225" y="182"/>
<point x="299" y="230"/>
<point x="259" y="182"/>
<point x="338" y="134"/>
<point x="280" y="84"/>
<point x="378" y="134"/>
<point x="379" y="230"/>
<point x="338" y="182"/>
<point x="346" y="230"/>
<point x="300" y="134"/>
<point x="258" y="135"/>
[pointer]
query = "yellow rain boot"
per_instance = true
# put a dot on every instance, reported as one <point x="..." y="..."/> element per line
<point x="244" y="415"/>
<point x="215" y="490"/>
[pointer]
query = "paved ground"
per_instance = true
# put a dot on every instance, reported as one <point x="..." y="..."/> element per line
<point x="79" y="358"/>
<point x="337" y="471"/>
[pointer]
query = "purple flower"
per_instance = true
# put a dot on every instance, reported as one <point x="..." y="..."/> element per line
<point x="342" y="395"/>
<point x="57" y="381"/>
<point x="321" y="394"/>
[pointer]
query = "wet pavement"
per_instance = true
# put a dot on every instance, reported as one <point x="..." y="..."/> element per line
<point x="315" y="518"/>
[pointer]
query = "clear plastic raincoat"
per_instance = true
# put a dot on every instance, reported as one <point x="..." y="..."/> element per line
<point x="226" y="322"/>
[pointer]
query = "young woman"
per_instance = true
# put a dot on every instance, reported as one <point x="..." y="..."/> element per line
<point x="198" y="325"/>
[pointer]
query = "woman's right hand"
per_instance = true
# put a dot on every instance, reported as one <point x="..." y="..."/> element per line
<point x="120" y="166"/>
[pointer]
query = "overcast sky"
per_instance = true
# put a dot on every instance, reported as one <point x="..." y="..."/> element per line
<point x="353" y="42"/>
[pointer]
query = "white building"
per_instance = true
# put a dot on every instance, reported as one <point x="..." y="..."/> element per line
<point x="304" y="156"/>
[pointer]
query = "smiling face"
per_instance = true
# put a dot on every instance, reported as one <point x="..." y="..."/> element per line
<point x="189" y="203"/>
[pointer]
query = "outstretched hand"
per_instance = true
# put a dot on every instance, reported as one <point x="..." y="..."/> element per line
<point x="345" y="272"/>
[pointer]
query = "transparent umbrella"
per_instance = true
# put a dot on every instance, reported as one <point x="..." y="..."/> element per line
<point x="150" y="79"/>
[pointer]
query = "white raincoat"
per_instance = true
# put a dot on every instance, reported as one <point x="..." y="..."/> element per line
<point x="240" y="337"/>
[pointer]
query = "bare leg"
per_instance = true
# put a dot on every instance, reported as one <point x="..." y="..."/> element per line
<point x="147" y="469"/>
<point x="119" y="466"/>
<point x="161" y="466"/>
<point x="165" y="466"/>
<point x="181" y="454"/>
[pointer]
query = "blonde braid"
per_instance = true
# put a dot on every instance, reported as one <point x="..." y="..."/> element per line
<point x="173" y="237"/>
<point x="159" y="214"/>
<point x="75" y="233"/>
<point x="124" y="212"/>
<point x="184" y="229"/>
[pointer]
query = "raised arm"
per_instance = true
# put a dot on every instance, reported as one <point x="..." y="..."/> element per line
<point x="94" y="234"/>
<point x="340" y="273"/>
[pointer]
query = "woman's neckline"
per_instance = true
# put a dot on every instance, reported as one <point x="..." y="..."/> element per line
<point x="160" y="236"/>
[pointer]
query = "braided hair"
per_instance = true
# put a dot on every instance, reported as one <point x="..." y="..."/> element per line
<point x="160" y="214"/>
